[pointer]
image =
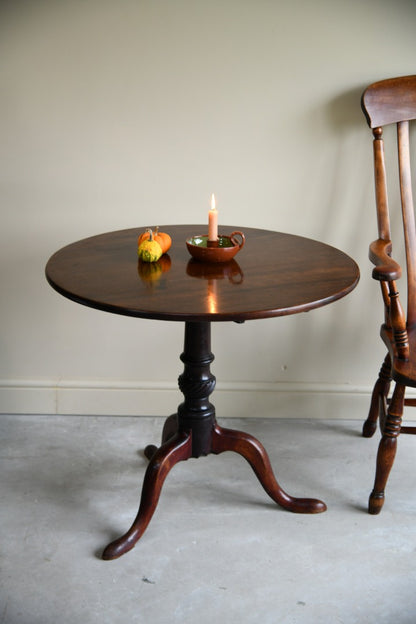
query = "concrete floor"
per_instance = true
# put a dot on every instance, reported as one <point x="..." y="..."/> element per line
<point x="217" y="549"/>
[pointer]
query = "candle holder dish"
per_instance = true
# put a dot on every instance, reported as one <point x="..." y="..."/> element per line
<point x="221" y="250"/>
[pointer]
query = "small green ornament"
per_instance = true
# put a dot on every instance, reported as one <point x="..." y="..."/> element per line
<point x="149" y="250"/>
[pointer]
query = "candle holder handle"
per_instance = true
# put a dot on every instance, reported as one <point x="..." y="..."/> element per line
<point x="234" y="240"/>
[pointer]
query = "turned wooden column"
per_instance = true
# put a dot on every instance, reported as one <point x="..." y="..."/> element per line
<point x="196" y="414"/>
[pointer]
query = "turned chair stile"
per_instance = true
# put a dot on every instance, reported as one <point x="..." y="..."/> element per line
<point x="392" y="101"/>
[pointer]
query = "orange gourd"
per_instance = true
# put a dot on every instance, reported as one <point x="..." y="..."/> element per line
<point x="162" y="238"/>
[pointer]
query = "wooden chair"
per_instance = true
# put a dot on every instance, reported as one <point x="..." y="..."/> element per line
<point x="386" y="102"/>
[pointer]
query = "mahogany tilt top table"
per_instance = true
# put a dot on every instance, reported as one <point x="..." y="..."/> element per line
<point x="275" y="274"/>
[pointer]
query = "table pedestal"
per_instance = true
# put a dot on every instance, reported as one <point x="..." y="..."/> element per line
<point x="193" y="432"/>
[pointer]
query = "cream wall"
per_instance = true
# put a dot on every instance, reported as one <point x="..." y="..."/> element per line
<point x="120" y="114"/>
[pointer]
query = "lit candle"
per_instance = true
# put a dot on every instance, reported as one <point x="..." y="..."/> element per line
<point x="213" y="221"/>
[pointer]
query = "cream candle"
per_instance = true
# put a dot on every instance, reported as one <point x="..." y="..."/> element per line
<point x="213" y="221"/>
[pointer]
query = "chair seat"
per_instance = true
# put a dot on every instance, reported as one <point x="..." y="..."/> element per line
<point x="403" y="371"/>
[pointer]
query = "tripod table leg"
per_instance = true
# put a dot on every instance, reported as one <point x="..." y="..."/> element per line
<point x="169" y="429"/>
<point x="178" y="448"/>
<point x="255" y="454"/>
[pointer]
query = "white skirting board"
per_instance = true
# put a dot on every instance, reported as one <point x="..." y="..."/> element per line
<point x="232" y="399"/>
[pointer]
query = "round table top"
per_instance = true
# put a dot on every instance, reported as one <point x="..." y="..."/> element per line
<point x="274" y="274"/>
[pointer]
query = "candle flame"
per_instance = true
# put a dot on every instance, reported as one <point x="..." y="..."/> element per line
<point x="213" y="204"/>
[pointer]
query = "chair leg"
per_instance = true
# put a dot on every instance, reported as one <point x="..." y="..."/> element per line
<point x="378" y="398"/>
<point x="387" y="449"/>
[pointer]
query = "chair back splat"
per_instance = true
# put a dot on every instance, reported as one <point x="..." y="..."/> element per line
<point x="392" y="101"/>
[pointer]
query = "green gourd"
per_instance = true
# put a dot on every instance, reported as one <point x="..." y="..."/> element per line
<point x="149" y="250"/>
